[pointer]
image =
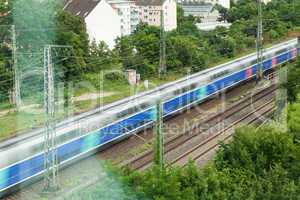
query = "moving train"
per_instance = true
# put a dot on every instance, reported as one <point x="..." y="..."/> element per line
<point x="80" y="136"/>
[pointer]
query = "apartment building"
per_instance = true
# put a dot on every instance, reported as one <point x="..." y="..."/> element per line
<point x="128" y="13"/>
<point x="150" y="12"/>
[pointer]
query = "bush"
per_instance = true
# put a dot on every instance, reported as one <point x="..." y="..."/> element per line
<point x="261" y="164"/>
<point x="294" y="120"/>
<point x="273" y="34"/>
<point x="115" y="76"/>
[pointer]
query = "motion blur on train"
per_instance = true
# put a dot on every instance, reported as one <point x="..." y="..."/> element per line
<point x="85" y="134"/>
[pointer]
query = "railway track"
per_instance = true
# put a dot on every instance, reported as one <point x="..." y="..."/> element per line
<point x="212" y="142"/>
<point x="120" y="153"/>
<point x="144" y="160"/>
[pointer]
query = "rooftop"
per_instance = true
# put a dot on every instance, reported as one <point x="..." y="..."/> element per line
<point x="81" y="8"/>
<point x="149" y="2"/>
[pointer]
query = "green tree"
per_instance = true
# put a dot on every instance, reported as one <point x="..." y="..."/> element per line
<point x="258" y="151"/>
<point x="72" y="59"/>
<point x="140" y="50"/>
<point x="71" y="31"/>
<point x="293" y="82"/>
<point x="6" y="74"/>
<point x="6" y="15"/>
<point x="245" y="9"/>
<point x="186" y="25"/>
<point x="5" y="79"/>
<point x="224" y="15"/>
<point x="125" y="50"/>
<point x="294" y="120"/>
<point x="100" y="57"/>
<point x="286" y="10"/>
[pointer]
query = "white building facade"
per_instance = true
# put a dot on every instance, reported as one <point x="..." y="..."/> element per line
<point x="150" y="12"/>
<point x="102" y="21"/>
<point x="128" y="13"/>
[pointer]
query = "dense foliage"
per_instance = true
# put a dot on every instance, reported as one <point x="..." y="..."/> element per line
<point x="5" y="53"/>
<point x="293" y="82"/>
<point x="262" y="164"/>
<point x="294" y="120"/>
<point x="71" y="31"/>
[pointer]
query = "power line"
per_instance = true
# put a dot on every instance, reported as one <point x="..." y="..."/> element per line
<point x="96" y="61"/>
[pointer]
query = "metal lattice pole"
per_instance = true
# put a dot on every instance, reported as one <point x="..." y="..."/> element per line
<point x="50" y="152"/>
<point x="17" y="91"/>
<point x="259" y="43"/>
<point x="159" y="141"/>
<point x="162" y="60"/>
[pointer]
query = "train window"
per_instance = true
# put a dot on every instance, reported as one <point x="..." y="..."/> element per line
<point x="243" y="66"/>
<point x="281" y="51"/>
<point x="194" y="85"/>
<point x="176" y="92"/>
<point x="253" y="62"/>
<point x="185" y="89"/>
<point x="37" y="148"/>
<point x="220" y="74"/>
<point x="122" y="114"/>
<point x="144" y="105"/>
<point x="188" y="88"/>
<point x="130" y="111"/>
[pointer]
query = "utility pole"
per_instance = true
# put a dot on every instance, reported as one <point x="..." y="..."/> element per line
<point x="50" y="143"/>
<point x="50" y="151"/>
<point x="162" y="60"/>
<point x="17" y="91"/>
<point x="259" y="43"/>
<point x="159" y="139"/>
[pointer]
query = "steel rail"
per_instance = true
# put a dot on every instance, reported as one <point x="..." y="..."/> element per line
<point x="216" y="136"/>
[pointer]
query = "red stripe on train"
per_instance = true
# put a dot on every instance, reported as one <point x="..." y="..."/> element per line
<point x="274" y="62"/>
